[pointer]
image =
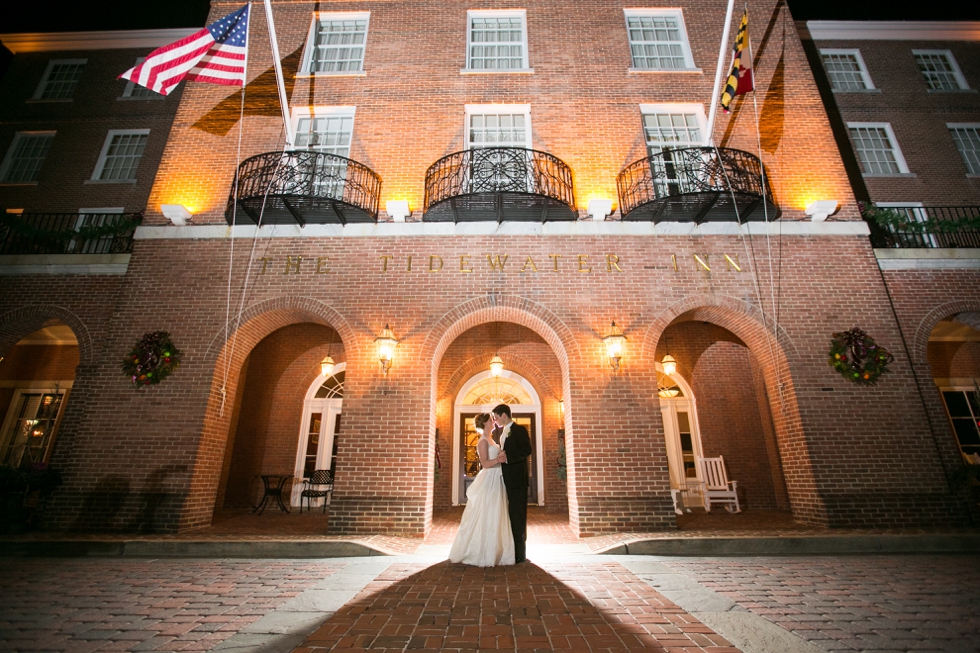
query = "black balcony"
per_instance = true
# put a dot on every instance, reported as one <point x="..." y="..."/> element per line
<point x="305" y="187"/>
<point x="928" y="226"/>
<point x="67" y="233"/>
<point x="497" y="184"/>
<point x="695" y="184"/>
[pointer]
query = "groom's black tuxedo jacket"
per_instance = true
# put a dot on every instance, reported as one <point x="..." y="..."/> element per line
<point x="518" y="448"/>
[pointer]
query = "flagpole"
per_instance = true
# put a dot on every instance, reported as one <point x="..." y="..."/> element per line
<point x="719" y="71"/>
<point x="283" y="102"/>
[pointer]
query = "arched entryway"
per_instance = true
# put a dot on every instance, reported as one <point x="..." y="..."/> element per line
<point x="681" y="435"/>
<point x="954" y="359"/>
<point x="319" y="429"/>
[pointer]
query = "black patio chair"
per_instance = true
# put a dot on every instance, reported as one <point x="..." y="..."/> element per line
<point x="317" y="486"/>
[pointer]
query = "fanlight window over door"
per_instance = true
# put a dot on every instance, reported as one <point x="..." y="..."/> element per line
<point x="494" y="391"/>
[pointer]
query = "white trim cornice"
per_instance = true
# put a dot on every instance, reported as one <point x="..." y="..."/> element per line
<point x="101" y="40"/>
<point x="945" y="258"/>
<point x="893" y="30"/>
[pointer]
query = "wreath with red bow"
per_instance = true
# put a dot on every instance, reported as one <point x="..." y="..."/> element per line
<point x="858" y="357"/>
<point x="152" y="359"/>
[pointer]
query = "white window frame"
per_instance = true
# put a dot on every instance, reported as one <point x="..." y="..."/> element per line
<point x="862" y="68"/>
<point x="493" y="110"/>
<point x="62" y="388"/>
<point x="903" y="168"/>
<point x="696" y="109"/>
<point x="8" y="159"/>
<point x="318" y="111"/>
<point x="306" y="70"/>
<point x="685" y="44"/>
<point x="39" y="91"/>
<point x="497" y="13"/>
<point x="964" y="125"/>
<point x="89" y="245"/>
<point x="103" y="156"/>
<point x="916" y="210"/>
<point x="957" y="73"/>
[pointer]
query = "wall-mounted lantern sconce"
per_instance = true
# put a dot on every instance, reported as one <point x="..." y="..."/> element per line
<point x="386" y="344"/>
<point x="178" y="214"/>
<point x="398" y="210"/>
<point x="496" y="366"/>
<point x="599" y="209"/>
<point x="821" y="209"/>
<point x="615" y="343"/>
<point x="327" y="366"/>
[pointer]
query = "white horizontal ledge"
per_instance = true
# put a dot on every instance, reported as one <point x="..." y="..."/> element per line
<point x="580" y="228"/>
<point x="927" y="258"/>
<point x="79" y="264"/>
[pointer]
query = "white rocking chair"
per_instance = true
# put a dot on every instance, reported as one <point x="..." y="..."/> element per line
<point x="716" y="486"/>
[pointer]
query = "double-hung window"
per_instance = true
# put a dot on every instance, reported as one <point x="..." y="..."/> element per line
<point x="121" y="154"/>
<point x="967" y="139"/>
<point x="877" y="148"/>
<point x="60" y="80"/>
<point x="134" y="91"/>
<point x="336" y="43"/>
<point x="499" y="137"/>
<point x="940" y="70"/>
<point x="658" y="40"/>
<point x="326" y="131"/>
<point x="963" y="408"/>
<point x="846" y="70"/>
<point x="22" y="165"/>
<point x="95" y="218"/>
<point x="669" y="129"/>
<point x="496" y="41"/>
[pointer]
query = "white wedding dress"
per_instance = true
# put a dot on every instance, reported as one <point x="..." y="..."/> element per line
<point x="484" y="538"/>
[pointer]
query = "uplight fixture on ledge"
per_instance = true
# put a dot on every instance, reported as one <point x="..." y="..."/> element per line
<point x="327" y="366"/>
<point x="820" y="210"/>
<point x="599" y="209"/>
<point x="615" y="343"/>
<point x="496" y="366"/>
<point x="398" y="210"/>
<point x="178" y="214"/>
<point x="386" y="344"/>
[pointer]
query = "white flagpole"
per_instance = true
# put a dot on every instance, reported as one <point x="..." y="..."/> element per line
<point x="283" y="102"/>
<point x="719" y="71"/>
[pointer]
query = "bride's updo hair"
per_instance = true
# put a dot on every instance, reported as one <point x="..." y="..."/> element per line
<point x="480" y="420"/>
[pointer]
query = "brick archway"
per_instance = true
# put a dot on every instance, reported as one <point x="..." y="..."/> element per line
<point x="20" y="322"/>
<point x="920" y="342"/>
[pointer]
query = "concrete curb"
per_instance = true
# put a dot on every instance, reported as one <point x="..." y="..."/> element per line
<point x="820" y="545"/>
<point x="188" y="549"/>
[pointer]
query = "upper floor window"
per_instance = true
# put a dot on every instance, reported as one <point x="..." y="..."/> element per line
<point x="658" y="40"/>
<point x="498" y="125"/>
<point x="940" y="70"/>
<point x="137" y="92"/>
<point x="877" y="148"/>
<point x="325" y="129"/>
<point x="967" y="139"/>
<point x="22" y="165"/>
<point x="121" y="155"/>
<point x="846" y="70"/>
<point x="667" y="126"/>
<point x="336" y="43"/>
<point x="496" y="41"/>
<point x="60" y="79"/>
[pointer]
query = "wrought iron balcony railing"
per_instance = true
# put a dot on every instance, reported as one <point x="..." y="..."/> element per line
<point x="695" y="184"/>
<point x="305" y="187"/>
<point x="499" y="183"/>
<point x="68" y="233"/>
<point x="929" y="226"/>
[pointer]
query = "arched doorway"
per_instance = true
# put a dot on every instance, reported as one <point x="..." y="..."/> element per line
<point x="319" y="428"/>
<point x="682" y="435"/>
<point x="954" y="358"/>
<point x="480" y="394"/>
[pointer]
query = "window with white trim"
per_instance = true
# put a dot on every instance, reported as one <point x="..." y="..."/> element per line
<point x="658" y="39"/>
<point x="121" y="154"/>
<point x="670" y="127"/>
<point x="967" y="139"/>
<point x="499" y="126"/>
<point x="328" y="130"/>
<point x="940" y="70"/>
<point x="846" y="70"/>
<point x="95" y="217"/>
<point x="336" y="43"/>
<point x="496" y="40"/>
<point x="60" y="79"/>
<point x="27" y="152"/>
<point x="877" y="148"/>
<point x="137" y="92"/>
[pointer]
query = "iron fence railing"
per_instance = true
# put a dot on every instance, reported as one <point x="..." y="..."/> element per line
<point x="67" y="233"/>
<point x="927" y="226"/>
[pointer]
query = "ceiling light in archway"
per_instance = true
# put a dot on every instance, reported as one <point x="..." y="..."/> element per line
<point x="669" y="365"/>
<point x="496" y="366"/>
<point x="327" y="366"/>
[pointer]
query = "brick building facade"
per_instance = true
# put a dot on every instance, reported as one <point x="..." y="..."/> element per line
<point x="500" y="152"/>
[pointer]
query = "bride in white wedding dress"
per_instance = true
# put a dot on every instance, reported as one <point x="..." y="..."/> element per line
<point x="484" y="538"/>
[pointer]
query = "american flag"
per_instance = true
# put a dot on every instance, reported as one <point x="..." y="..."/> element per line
<point x="215" y="55"/>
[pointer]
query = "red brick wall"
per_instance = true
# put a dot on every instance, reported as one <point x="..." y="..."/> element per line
<point x="954" y="359"/>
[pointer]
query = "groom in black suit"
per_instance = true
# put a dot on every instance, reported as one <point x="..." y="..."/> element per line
<point x="516" y="445"/>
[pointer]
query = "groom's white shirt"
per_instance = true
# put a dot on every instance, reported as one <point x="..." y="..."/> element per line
<point x="504" y="434"/>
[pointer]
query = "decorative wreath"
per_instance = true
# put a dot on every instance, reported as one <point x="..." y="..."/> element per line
<point x="858" y="357"/>
<point x="153" y="359"/>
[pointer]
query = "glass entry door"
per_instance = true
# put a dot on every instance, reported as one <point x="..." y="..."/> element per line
<point x="682" y="439"/>
<point x="30" y="433"/>
<point x="470" y="462"/>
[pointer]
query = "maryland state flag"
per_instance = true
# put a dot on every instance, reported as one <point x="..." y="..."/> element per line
<point x="740" y="79"/>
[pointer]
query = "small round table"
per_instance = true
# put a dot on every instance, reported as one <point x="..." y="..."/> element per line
<point x="273" y="485"/>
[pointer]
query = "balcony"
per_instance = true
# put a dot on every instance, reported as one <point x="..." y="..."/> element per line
<point x="925" y="226"/>
<point x="497" y="184"/>
<point x="696" y="184"/>
<point x="305" y="187"/>
<point x="67" y="233"/>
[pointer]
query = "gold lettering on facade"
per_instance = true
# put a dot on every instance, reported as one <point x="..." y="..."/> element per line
<point x="321" y="263"/>
<point x="384" y="262"/>
<point x="497" y="261"/>
<point x="702" y="262"/>
<point x="673" y="260"/>
<point x="612" y="261"/>
<point x="464" y="264"/>
<point x="432" y="259"/>
<point x="555" y="257"/>
<point x="530" y="262"/>
<point x="732" y="263"/>
<point x="290" y="264"/>
<point x="583" y="259"/>
<point x="265" y="264"/>
<point x="409" y="268"/>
